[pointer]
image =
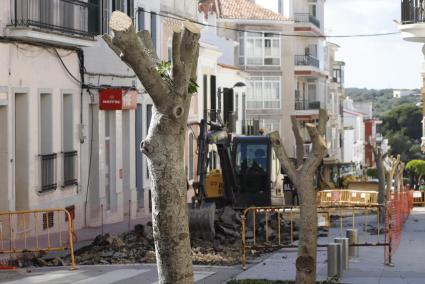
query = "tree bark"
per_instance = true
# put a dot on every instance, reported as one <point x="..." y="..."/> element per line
<point x="164" y="144"/>
<point x="302" y="176"/>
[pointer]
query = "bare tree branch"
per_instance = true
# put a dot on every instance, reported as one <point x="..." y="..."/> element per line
<point x="319" y="149"/>
<point x="178" y="75"/>
<point x="146" y="38"/>
<point x="299" y="141"/>
<point x="282" y="156"/>
<point x="189" y="41"/>
<point x="136" y="54"/>
<point x="323" y="119"/>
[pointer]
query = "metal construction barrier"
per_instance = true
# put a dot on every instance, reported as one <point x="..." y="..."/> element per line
<point x="37" y="231"/>
<point x="418" y="197"/>
<point x="347" y="197"/>
<point x="398" y="210"/>
<point x="276" y="227"/>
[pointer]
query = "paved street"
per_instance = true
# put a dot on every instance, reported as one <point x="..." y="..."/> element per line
<point x="368" y="268"/>
<point x="112" y="274"/>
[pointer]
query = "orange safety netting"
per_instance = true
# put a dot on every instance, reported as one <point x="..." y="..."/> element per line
<point x="398" y="209"/>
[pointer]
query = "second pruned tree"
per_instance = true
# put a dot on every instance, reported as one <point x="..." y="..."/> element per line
<point x="302" y="176"/>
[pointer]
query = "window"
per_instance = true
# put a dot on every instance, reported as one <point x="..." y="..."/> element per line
<point x="154" y="28"/>
<point x="46" y="123"/>
<point x="264" y="93"/>
<point x="191" y="148"/>
<point x="148" y="117"/>
<point x="69" y="157"/>
<point x="312" y="10"/>
<point x="243" y="105"/>
<point x="67" y="123"/>
<point x="148" y="123"/>
<point x="48" y="220"/>
<point x="118" y="5"/>
<point x="251" y="155"/>
<point x="130" y="8"/>
<point x="205" y="95"/>
<point x="141" y="19"/>
<point x="236" y="106"/>
<point x="48" y="159"/>
<point x="259" y="49"/>
<point x="270" y="125"/>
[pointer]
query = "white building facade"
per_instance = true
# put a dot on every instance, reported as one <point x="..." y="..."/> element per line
<point x="40" y="105"/>
<point x="412" y="28"/>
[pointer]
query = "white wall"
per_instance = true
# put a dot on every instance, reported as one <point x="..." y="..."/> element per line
<point x="21" y="79"/>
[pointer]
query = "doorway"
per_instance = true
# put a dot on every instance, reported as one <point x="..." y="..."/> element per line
<point x="4" y="160"/>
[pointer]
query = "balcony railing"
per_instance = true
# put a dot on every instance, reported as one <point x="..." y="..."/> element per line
<point x="48" y="172"/>
<point x="70" y="168"/>
<point x="306" y="105"/>
<point x="412" y="11"/>
<point x="72" y="17"/>
<point x="306" y="60"/>
<point x="306" y="18"/>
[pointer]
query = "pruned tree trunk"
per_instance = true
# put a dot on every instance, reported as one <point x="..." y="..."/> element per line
<point x="164" y="144"/>
<point x="379" y="160"/>
<point x="302" y="176"/>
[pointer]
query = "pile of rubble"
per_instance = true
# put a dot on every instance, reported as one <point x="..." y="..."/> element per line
<point x="137" y="246"/>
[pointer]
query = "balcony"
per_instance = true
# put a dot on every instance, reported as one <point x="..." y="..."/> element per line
<point x="306" y="60"/>
<point x="69" y="22"/>
<point x="307" y="105"/>
<point x="306" y="18"/>
<point x="412" y="20"/>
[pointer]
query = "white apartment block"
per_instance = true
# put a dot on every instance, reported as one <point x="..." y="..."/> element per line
<point x="289" y="65"/>
<point x="412" y="28"/>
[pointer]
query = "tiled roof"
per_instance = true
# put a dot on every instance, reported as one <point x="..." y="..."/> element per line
<point x="246" y="10"/>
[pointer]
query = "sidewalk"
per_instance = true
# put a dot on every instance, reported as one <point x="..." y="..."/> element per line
<point x="368" y="268"/>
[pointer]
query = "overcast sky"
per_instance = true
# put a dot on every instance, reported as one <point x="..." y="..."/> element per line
<point x="372" y="62"/>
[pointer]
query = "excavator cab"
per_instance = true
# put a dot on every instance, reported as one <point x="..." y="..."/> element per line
<point x="249" y="175"/>
<point x="252" y="159"/>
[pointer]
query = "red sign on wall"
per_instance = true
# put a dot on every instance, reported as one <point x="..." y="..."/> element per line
<point x="117" y="99"/>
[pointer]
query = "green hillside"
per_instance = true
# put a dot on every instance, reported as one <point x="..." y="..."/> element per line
<point x="382" y="99"/>
<point x="401" y="117"/>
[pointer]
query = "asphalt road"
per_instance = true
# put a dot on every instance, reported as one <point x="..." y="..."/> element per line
<point x="112" y="274"/>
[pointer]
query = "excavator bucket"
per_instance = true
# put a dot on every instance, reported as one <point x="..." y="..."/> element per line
<point x="201" y="221"/>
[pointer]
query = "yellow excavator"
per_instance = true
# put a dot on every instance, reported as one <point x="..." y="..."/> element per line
<point x="248" y="174"/>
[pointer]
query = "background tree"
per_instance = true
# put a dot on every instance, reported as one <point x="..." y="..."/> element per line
<point x="302" y="176"/>
<point x="403" y="128"/>
<point x="417" y="168"/>
<point x="164" y="145"/>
